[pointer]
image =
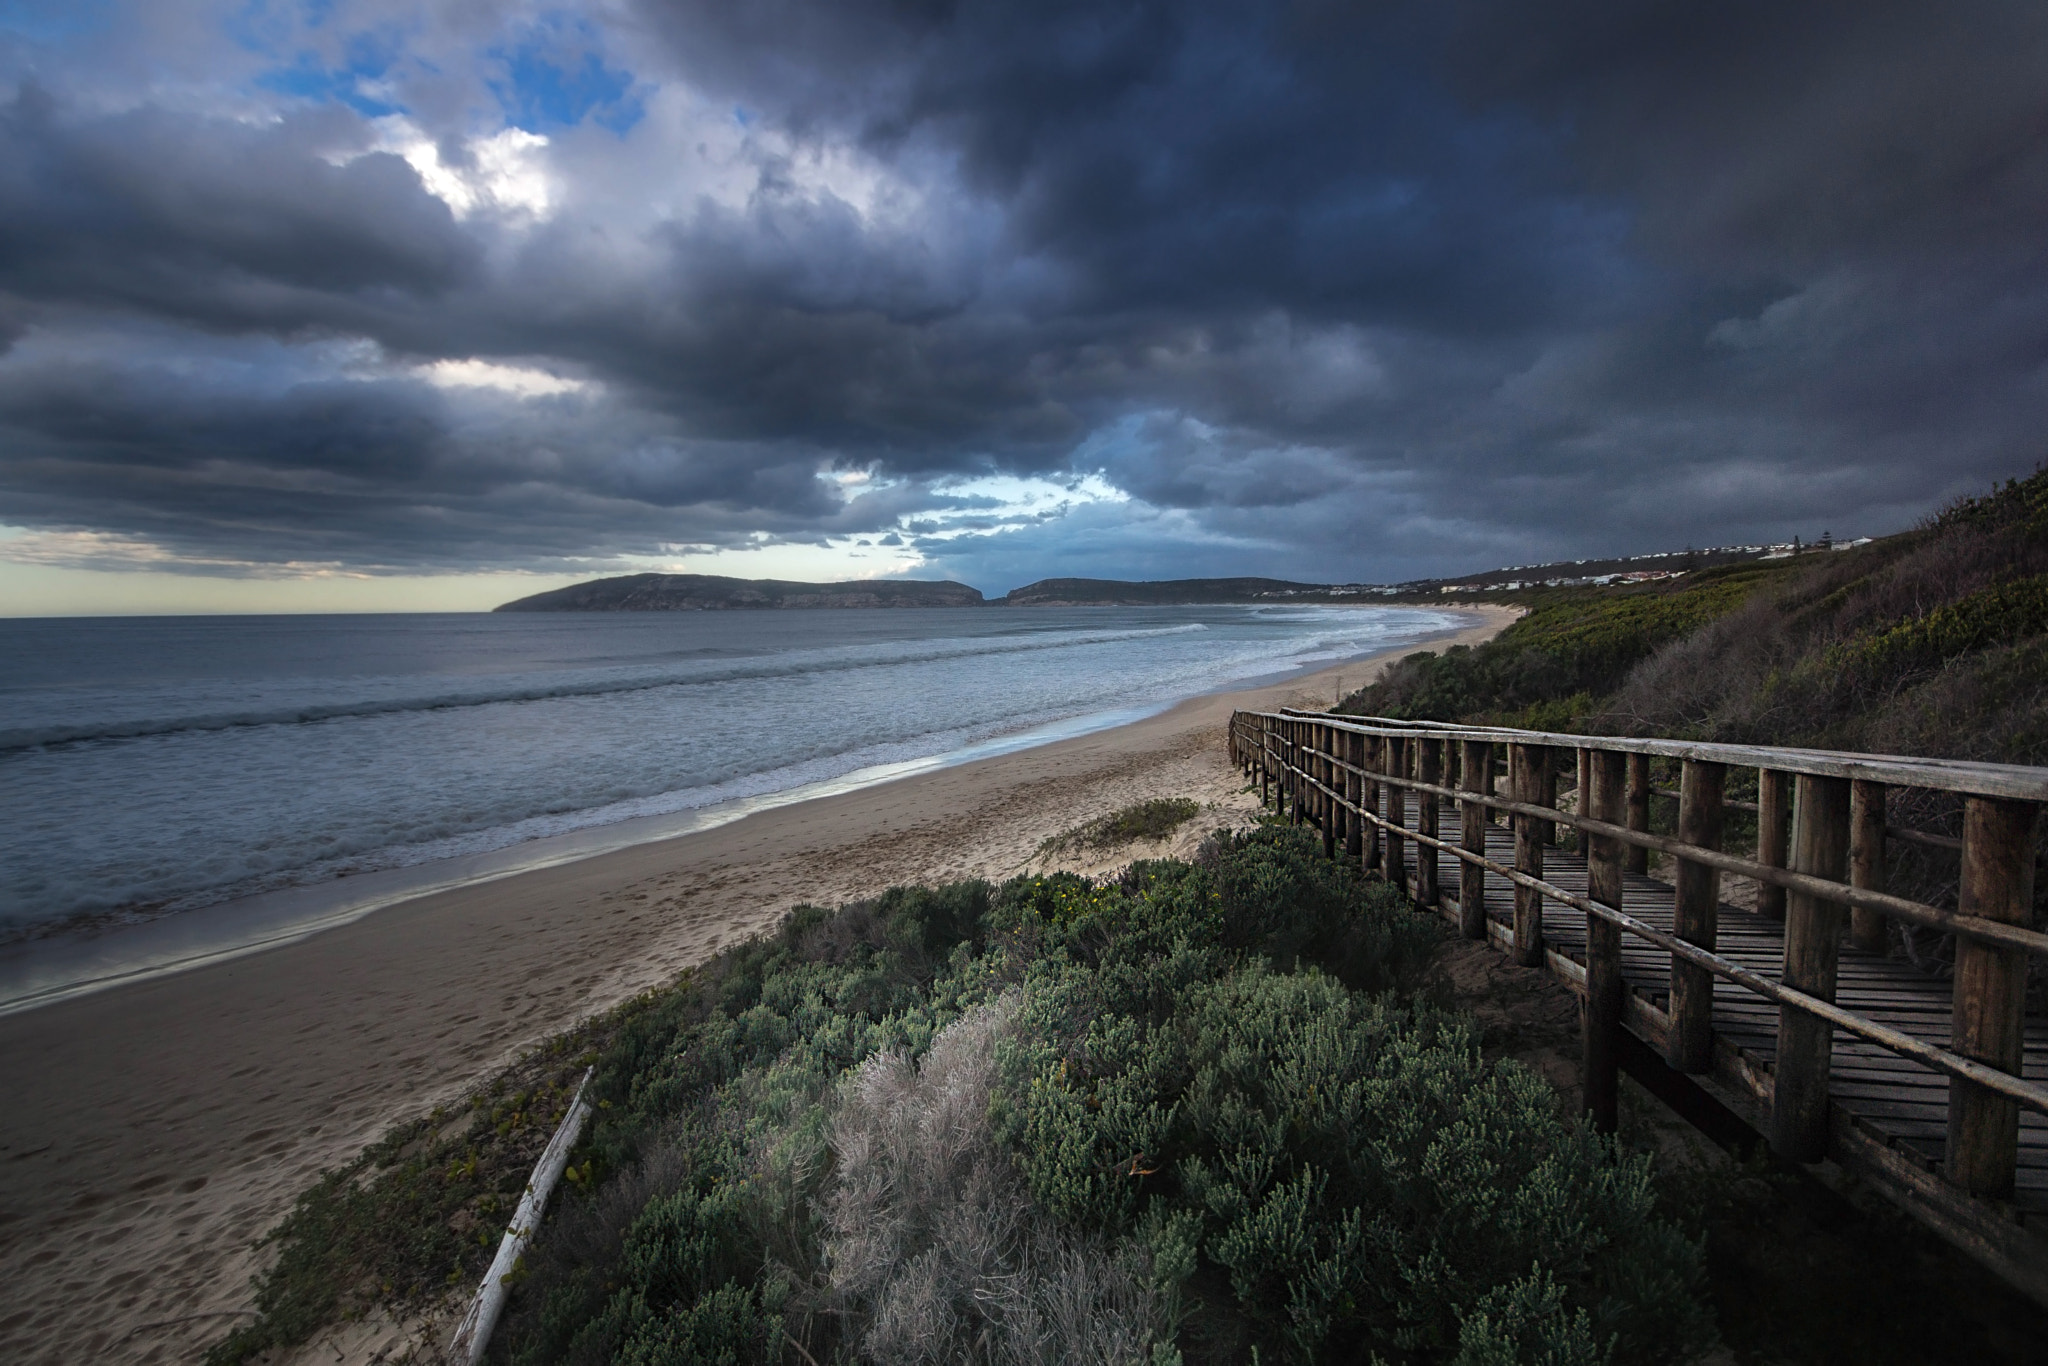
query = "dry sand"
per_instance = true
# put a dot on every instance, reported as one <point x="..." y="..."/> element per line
<point x="151" y="1133"/>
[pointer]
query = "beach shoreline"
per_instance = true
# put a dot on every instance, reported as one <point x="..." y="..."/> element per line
<point x="43" y="961"/>
<point x="162" y="1125"/>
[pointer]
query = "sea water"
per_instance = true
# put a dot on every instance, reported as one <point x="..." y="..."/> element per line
<point x="150" y="766"/>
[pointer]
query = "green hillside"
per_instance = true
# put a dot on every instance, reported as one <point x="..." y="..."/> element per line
<point x="1931" y="642"/>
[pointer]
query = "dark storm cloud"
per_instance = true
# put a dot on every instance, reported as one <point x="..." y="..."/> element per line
<point x="376" y="474"/>
<point x="212" y="221"/>
<point x="1379" y="289"/>
<point x="1770" y="135"/>
<point x="1198" y="156"/>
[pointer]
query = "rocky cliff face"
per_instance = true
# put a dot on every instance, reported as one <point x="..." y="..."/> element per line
<point x="711" y="593"/>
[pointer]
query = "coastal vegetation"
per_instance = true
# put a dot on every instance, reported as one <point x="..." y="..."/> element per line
<point x="1933" y="642"/>
<point x="1207" y="1111"/>
<point x="1153" y="819"/>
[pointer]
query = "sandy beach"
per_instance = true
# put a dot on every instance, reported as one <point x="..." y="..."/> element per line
<point x="153" y="1132"/>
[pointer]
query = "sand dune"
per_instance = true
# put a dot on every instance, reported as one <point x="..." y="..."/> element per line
<point x="151" y="1133"/>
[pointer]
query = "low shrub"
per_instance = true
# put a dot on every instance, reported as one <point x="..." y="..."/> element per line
<point x="935" y="1250"/>
<point x="1351" y="1170"/>
<point x="1147" y="820"/>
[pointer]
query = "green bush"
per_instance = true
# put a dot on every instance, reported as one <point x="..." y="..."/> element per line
<point x="1994" y="616"/>
<point x="1352" y="1168"/>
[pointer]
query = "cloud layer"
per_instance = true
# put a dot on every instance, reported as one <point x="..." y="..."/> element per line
<point x="1355" y="292"/>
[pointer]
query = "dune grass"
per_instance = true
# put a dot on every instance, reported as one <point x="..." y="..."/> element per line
<point x="1147" y="820"/>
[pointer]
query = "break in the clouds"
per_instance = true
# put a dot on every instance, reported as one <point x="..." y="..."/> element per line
<point x="1003" y="290"/>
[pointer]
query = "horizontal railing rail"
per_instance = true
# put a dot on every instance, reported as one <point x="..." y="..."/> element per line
<point x="1819" y="864"/>
<point x="2017" y="782"/>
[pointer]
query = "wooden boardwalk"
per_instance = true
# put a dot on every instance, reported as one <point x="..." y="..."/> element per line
<point x="1896" y="1102"/>
<point x="1931" y="1089"/>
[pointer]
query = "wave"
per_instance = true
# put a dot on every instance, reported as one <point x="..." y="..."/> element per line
<point x="45" y="736"/>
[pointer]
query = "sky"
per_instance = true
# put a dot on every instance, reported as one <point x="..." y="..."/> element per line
<point x="367" y="305"/>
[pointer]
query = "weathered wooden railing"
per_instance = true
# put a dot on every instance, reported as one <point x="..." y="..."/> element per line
<point x="1819" y="865"/>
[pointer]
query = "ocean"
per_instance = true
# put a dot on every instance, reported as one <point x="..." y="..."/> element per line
<point x="153" y="766"/>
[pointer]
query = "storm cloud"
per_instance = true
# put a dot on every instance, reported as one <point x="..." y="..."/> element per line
<point x="1005" y="290"/>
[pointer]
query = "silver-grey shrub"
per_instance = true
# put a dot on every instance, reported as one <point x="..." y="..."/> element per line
<point x="933" y="1244"/>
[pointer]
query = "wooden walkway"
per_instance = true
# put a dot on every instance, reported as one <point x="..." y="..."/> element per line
<point x="1931" y="1089"/>
<point x="1899" y="1104"/>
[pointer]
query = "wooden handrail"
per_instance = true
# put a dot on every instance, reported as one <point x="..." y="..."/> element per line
<point x="1927" y="838"/>
<point x="1914" y="912"/>
<point x="2010" y="782"/>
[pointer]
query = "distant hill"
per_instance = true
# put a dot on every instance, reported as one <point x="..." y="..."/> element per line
<point x="713" y="593"/>
<point x="1162" y="592"/>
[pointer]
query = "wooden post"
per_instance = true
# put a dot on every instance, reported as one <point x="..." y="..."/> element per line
<point x="1600" y="1015"/>
<point x="1476" y="766"/>
<point x="1697" y="916"/>
<point x="1344" y="780"/>
<point x="1310" y="797"/>
<point x="1429" y="767"/>
<point x="1294" y="770"/>
<point x="1772" y="789"/>
<point x="1312" y="743"/>
<point x="1304" y="763"/>
<point x="1813" y="939"/>
<point x="1582" y="800"/>
<point x="1990" y="1001"/>
<point x="1266" y="762"/>
<point x="1530" y="774"/>
<point x="1305" y="736"/>
<point x="1637" y="859"/>
<point x="1268" y="792"/>
<point x="1326" y="741"/>
<point x="1866" y="863"/>
<point x="1280" y="781"/>
<point x="1375" y="752"/>
<point x="1545" y="791"/>
<point x="1354" y="792"/>
<point x="1333" y="763"/>
<point x="1396" y="869"/>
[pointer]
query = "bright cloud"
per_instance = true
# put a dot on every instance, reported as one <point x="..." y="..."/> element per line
<point x="503" y="173"/>
<point x="523" y="381"/>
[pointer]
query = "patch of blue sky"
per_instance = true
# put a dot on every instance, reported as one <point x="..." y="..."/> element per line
<point x="360" y="82"/>
<point x="553" y="80"/>
<point x="54" y="21"/>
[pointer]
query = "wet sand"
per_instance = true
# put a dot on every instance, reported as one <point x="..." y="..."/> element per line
<point x="151" y="1133"/>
